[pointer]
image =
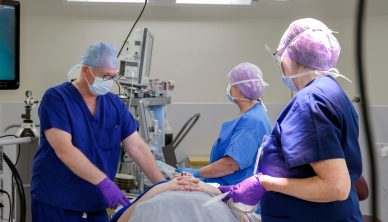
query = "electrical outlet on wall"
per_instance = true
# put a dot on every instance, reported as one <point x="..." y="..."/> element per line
<point x="382" y="148"/>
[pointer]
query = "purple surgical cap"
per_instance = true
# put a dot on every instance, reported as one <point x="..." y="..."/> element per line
<point x="248" y="78"/>
<point x="102" y="55"/>
<point x="310" y="43"/>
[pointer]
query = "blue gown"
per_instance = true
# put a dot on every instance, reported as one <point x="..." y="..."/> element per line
<point x="319" y="123"/>
<point x="240" y="139"/>
<point x="97" y="137"/>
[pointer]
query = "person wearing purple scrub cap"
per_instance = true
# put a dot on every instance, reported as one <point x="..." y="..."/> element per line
<point x="309" y="164"/>
<point x="248" y="78"/>
<point x="233" y="154"/>
<point x="310" y="43"/>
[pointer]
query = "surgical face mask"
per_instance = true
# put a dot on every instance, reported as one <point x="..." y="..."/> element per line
<point x="100" y="86"/>
<point x="287" y="80"/>
<point x="289" y="83"/>
<point x="230" y="98"/>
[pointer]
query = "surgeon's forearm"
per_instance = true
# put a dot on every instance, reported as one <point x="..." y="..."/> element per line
<point x="331" y="183"/>
<point x="222" y="167"/>
<point x="147" y="163"/>
<point x="143" y="157"/>
<point x="80" y="165"/>
<point x="311" y="189"/>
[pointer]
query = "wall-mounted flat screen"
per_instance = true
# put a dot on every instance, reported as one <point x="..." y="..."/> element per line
<point x="9" y="44"/>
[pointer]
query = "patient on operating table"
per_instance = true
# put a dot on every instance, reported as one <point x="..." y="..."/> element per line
<point x="180" y="199"/>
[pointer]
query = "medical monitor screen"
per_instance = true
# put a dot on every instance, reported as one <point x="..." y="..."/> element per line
<point x="146" y="57"/>
<point x="9" y="44"/>
<point x="148" y="54"/>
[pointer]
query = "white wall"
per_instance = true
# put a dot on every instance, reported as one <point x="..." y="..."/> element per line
<point x="195" y="53"/>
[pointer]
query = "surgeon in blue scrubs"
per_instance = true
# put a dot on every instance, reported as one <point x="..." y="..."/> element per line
<point x="312" y="158"/>
<point x="82" y="128"/>
<point x="233" y="154"/>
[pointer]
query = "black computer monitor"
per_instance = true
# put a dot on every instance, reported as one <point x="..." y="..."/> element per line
<point x="9" y="44"/>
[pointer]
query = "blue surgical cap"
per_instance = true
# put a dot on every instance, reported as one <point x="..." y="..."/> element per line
<point x="101" y="54"/>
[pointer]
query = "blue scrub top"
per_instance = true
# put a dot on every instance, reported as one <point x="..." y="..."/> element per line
<point x="319" y="123"/>
<point x="97" y="137"/>
<point x="240" y="139"/>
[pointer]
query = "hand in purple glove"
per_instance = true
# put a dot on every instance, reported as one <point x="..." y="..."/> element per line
<point x="249" y="191"/>
<point x="113" y="195"/>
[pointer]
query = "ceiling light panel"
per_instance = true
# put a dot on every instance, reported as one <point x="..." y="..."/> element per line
<point x="109" y="1"/>
<point x="215" y="2"/>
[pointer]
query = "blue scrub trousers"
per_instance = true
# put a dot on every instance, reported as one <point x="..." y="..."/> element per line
<point x="42" y="212"/>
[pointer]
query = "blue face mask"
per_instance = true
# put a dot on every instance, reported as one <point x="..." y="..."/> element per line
<point x="100" y="86"/>
<point x="230" y="97"/>
<point x="289" y="83"/>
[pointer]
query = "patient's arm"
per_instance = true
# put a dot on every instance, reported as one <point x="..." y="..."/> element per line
<point x="175" y="184"/>
<point x="208" y="189"/>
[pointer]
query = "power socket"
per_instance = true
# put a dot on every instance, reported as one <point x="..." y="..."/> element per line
<point x="382" y="149"/>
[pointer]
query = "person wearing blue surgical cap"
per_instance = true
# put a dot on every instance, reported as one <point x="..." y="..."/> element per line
<point x="82" y="127"/>
<point x="234" y="153"/>
<point x="312" y="159"/>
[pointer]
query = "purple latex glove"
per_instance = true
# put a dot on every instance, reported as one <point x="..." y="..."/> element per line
<point x="113" y="195"/>
<point x="249" y="191"/>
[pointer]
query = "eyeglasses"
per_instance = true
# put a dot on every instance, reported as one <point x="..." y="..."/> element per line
<point x="107" y="76"/>
<point x="275" y="54"/>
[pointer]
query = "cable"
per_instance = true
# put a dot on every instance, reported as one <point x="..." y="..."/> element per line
<point x="13" y="193"/>
<point x="19" y="185"/>
<point x="18" y="155"/>
<point x="118" y="85"/>
<point x="133" y="26"/>
<point x="9" y="199"/>
<point x="364" y="106"/>
<point x="7" y="136"/>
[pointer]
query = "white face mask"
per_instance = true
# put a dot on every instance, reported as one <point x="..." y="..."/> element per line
<point x="100" y="86"/>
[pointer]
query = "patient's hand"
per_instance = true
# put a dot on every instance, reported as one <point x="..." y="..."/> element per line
<point x="189" y="182"/>
<point x="196" y="184"/>
<point x="176" y="184"/>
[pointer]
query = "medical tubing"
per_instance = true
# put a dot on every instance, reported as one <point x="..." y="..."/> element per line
<point x="9" y="199"/>
<point x="7" y="136"/>
<point x="118" y="85"/>
<point x="19" y="184"/>
<point x="183" y="132"/>
<point x="133" y="26"/>
<point x="15" y="126"/>
<point x="18" y="155"/>
<point x="364" y="106"/>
